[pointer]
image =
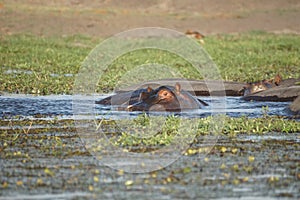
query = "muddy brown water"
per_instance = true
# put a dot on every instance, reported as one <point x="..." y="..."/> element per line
<point x="53" y="163"/>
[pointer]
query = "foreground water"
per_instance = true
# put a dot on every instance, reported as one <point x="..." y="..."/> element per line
<point x="52" y="163"/>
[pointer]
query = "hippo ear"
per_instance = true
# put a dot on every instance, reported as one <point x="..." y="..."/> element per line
<point x="149" y="89"/>
<point x="177" y="87"/>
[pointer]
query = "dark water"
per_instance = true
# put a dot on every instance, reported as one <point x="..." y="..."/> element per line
<point x="61" y="106"/>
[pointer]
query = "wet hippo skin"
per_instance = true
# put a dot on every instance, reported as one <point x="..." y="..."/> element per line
<point x="124" y="97"/>
<point x="167" y="98"/>
<point x="163" y="98"/>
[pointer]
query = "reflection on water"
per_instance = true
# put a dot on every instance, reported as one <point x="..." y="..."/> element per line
<point x="61" y="106"/>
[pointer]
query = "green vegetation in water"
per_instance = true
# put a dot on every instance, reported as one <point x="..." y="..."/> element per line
<point x="48" y="65"/>
<point x="205" y="126"/>
<point x="51" y="133"/>
<point x="142" y="134"/>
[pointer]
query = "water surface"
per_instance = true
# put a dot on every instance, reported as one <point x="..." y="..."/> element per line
<point x="61" y="106"/>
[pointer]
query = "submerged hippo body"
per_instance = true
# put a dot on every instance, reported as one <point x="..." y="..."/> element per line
<point x="166" y="98"/>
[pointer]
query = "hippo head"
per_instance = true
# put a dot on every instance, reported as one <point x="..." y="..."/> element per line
<point x="164" y="95"/>
<point x="252" y="88"/>
<point x="143" y="102"/>
<point x="164" y="98"/>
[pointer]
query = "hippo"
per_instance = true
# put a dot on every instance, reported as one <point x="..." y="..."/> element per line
<point x="255" y="87"/>
<point x="252" y="88"/>
<point x="163" y="98"/>
<point x="125" y="98"/>
<point x="166" y="98"/>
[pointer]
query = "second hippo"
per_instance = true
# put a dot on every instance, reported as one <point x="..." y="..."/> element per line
<point x="263" y="85"/>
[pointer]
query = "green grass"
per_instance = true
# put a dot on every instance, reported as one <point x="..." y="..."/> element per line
<point x="48" y="65"/>
<point x="42" y="65"/>
<point x="255" y="56"/>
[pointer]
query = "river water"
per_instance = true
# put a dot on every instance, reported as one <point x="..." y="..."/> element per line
<point x="61" y="106"/>
<point x="51" y="162"/>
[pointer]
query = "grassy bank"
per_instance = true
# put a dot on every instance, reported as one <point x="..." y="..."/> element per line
<point x="39" y="65"/>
